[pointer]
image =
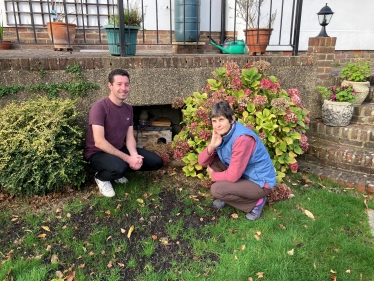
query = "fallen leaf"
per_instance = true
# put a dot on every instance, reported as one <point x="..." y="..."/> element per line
<point x="59" y="274"/>
<point x="332" y="271"/>
<point x="91" y="253"/>
<point x="314" y="265"/>
<point x="234" y="216"/>
<point x="68" y="215"/>
<point x="121" y="264"/>
<point x="213" y="218"/>
<point x="282" y="226"/>
<point x="257" y="237"/>
<point x="46" y="228"/>
<point x="290" y="252"/>
<point x="201" y="219"/>
<point x="236" y="257"/>
<point x="366" y="205"/>
<point x="14" y="218"/>
<point x="107" y="212"/>
<point x="58" y="210"/>
<point x="348" y="271"/>
<point x="118" y="206"/>
<point x="109" y="265"/>
<point x="70" y="276"/>
<point x="333" y="277"/>
<point x="82" y="265"/>
<point x="154" y="237"/>
<point x="309" y="214"/>
<point x="130" y="231"/>
<point x="54" y="259"/>
<point x="48" y="248"/>
<point x="250" y="279"/>
<point x="243" y="247"/>
<point x="43" y="235"/>
<point x="123" y="230"/>
<point x="260" y="274"/>
<point x="164" y="240"/>
<point x="139" y="200"/>
<point x="109" y="237"/>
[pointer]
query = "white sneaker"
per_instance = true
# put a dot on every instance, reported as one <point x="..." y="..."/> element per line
<point x="105" y="188"/>
<point x="121" y="180"/>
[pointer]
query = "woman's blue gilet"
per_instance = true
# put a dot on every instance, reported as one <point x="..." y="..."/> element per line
<point x="259" y="169"/>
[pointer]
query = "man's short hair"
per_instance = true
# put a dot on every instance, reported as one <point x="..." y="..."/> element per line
<point x="222" y="108"/>
<point x="115" y="72"/>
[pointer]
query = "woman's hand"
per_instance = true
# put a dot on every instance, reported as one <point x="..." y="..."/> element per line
<point x="214" y="142"/>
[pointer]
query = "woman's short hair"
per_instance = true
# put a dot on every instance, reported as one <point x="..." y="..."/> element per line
<point x="222" y="108"/>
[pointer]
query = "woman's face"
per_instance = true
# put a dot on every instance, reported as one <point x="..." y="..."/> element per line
<point x="221" y="125"/>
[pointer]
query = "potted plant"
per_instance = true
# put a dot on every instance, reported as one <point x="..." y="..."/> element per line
<point x="60" y="31"/>
<point x="356" y="74"/>
<point x="4" y="44"/>
<point x="257" y="37"/>
<point x="132" y="20"/>
<point x="337" y="107"/>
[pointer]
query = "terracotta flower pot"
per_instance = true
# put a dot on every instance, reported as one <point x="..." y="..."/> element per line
<point x="337" y="114"/>
<point x="62" y="34"/>
<point x="257" y="39"/>
<point x="5" y="45"/>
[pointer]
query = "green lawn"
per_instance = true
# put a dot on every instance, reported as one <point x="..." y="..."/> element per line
<point x="322" y="233"/>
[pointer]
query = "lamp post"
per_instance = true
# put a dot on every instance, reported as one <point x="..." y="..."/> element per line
<point x="324" y="17"/>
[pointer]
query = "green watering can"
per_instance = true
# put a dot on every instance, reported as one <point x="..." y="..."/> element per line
<point x="231" y="46"/>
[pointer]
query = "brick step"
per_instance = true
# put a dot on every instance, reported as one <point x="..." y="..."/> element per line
<point x="358" y="135"/>
<point x="363" y="114"/>
<point x="339" y="156"/>
<point x="351" y="179"/>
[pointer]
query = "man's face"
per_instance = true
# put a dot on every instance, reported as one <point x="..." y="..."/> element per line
<point x="120" y="88"/>
<point x="221" y="125"/>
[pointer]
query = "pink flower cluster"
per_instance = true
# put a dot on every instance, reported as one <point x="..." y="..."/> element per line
<point x="290" y="117"/>
<point x="236" y="84"/>
<point x="232" y="69"/>
<point x="181" y="148"/>
<point x="260" y="101"/>
<point x="279" y="192"/>
<point x="294" y="167"/>
<point x="267" y="84"/>
<point x="247" y="92"/>
<point x="231" y="100"/>
<point x="205" y="135"/>
<point x="203" y="115"/>
<point x="294" y="95"/>
<point x="303" y="143"/>
<point x="219" y="95"/>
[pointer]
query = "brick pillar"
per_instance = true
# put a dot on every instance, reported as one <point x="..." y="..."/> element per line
<point x="323" y="48"/>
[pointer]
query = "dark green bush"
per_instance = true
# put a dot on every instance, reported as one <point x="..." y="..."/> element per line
<point x="41" y="146"/>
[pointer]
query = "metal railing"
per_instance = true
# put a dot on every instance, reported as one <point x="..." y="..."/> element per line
<point x="217" y="18"/>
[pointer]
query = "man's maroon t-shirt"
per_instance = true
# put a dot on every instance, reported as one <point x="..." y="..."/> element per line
<point x="116" y="121"/>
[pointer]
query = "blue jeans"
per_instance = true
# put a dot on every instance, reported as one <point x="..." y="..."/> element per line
<point x="110" y="167"/>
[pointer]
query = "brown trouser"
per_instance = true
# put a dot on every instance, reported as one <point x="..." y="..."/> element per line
<point x="242" y="195"/>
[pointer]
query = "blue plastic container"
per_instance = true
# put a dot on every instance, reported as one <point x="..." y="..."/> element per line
<point x="187" y="20"/>
<point x="131" y="34"/>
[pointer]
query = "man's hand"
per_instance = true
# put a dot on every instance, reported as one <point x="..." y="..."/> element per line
<point x="135" y="161"/>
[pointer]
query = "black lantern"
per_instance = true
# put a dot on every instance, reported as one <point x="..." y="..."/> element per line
<point x="324" y="17"/>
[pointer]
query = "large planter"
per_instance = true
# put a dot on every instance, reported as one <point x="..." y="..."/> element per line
<point x="257" y="39"/>
<point x="187" y="20"/>
<point x="62" y="34"/>
<point x="131" y="35"/>
<point x="361" y="88"/>
<point x="5" y="44"/>
<point x="337" y="114"/>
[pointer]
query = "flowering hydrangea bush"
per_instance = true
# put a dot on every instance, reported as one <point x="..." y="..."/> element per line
<point x="277" y="116"/>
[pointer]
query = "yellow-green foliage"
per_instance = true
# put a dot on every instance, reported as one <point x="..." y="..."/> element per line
<point x="41" y="146"/>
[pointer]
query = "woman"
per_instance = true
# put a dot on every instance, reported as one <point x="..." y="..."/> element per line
<point x="238" y="164"/>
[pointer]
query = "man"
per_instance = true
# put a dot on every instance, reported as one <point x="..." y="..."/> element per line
<point x="110" y="143"/>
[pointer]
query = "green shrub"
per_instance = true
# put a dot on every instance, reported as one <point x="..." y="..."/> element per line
<point x="41" y="145"/>
<point x="277" y="116"/>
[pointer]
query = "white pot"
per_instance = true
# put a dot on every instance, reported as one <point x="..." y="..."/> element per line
<point x="337" y="114"/>
<point x="361" y="88"/>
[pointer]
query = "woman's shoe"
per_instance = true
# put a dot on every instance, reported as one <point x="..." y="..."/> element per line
<point x="218" y="204"/>
<point x="255" y="214"/>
